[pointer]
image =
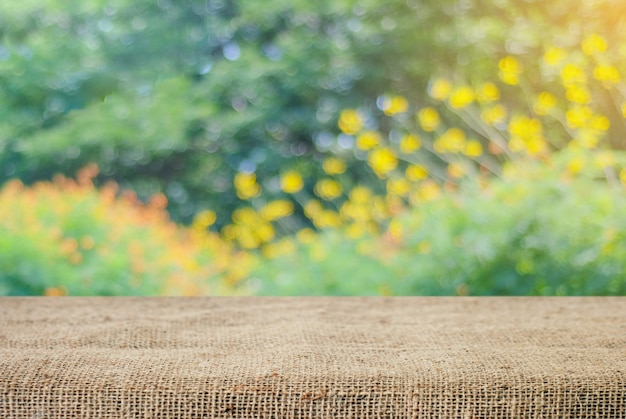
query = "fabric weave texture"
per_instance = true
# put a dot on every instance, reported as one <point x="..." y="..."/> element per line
<point x="313" y="357"/>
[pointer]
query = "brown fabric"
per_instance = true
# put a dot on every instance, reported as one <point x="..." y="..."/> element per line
<point x="324" y="357"/>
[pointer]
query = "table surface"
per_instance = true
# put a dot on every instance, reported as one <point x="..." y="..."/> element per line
<point x="390" y="357"/>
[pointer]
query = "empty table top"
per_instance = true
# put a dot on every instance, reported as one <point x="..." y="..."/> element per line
<point x="313" y="357"/>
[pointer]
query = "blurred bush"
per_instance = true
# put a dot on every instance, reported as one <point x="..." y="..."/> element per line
<point x="534" y="232"/>
<point x="66" y="237"/>
<point x="480" y="196"/>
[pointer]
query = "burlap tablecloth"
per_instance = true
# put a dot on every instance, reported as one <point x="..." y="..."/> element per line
<point x="322" y="357"/>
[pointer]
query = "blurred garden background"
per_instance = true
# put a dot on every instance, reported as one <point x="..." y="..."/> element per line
<point x="345" y="147"/>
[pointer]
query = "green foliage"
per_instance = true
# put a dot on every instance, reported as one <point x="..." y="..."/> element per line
<point x="534" y="233"/>
<point x="328" y="265"/>
<point x="258" y="83"/>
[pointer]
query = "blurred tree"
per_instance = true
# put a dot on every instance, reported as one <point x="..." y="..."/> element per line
<point x="178" y="96"/>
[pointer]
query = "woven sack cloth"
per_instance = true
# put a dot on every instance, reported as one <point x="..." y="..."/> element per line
<point x="313" y="357"/>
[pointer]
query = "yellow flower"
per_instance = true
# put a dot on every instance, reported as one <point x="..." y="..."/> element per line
<point x="578" y="116"/>
<point x="510" y="69"/>
<point x="283" y="247"/>
<point x="452" y="141"/>
<point x="357" y="211"/>
<point x="429" y="119"/>
<point x="361" y="194"/>
<point x="246" y="186"/>
<point x="578" y="94"/>
<point x="334" y="166"/>
<point x="328" y="189"/>
<point x="526" y="135"/>
<point x="554" y="56"/>
<point x="265" y="232"/>
<point x="544" y="103"/>
<point x="532" y="146"/>
<point x="368" y="140"/>
<point x="291" y="182"/>
<point x="440" y="89"/>
<point x="246" y="238"/>
<point x="410" y="143"/>
<point x="593" y="43"/>
<point x="229" y="233"/>
<point x="473" y="149"/>
<point x="204" y="219"/>
<point x="277" y="209"/>
<point x="350" y="122"/>
<point x="398" y="186"/>
<point x="249" y="229"/>
<point x="313" y="208"/>
<point x="461" y="97"/>
<point x="606" y="73"/>
<point x="600" y="123"/>
<point x="416" y="172"/>
<point x="522" y="126"/>
<point x="245" y="216"/>
<point x="382" y="161"/>
<point x="395" y="105"/>
<point x="494" y="115"/>
<point x="536" y="146"/>
<point x="327" y="219"/>
<point x="572" y="74"/>
<point x="488" y="93"/>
